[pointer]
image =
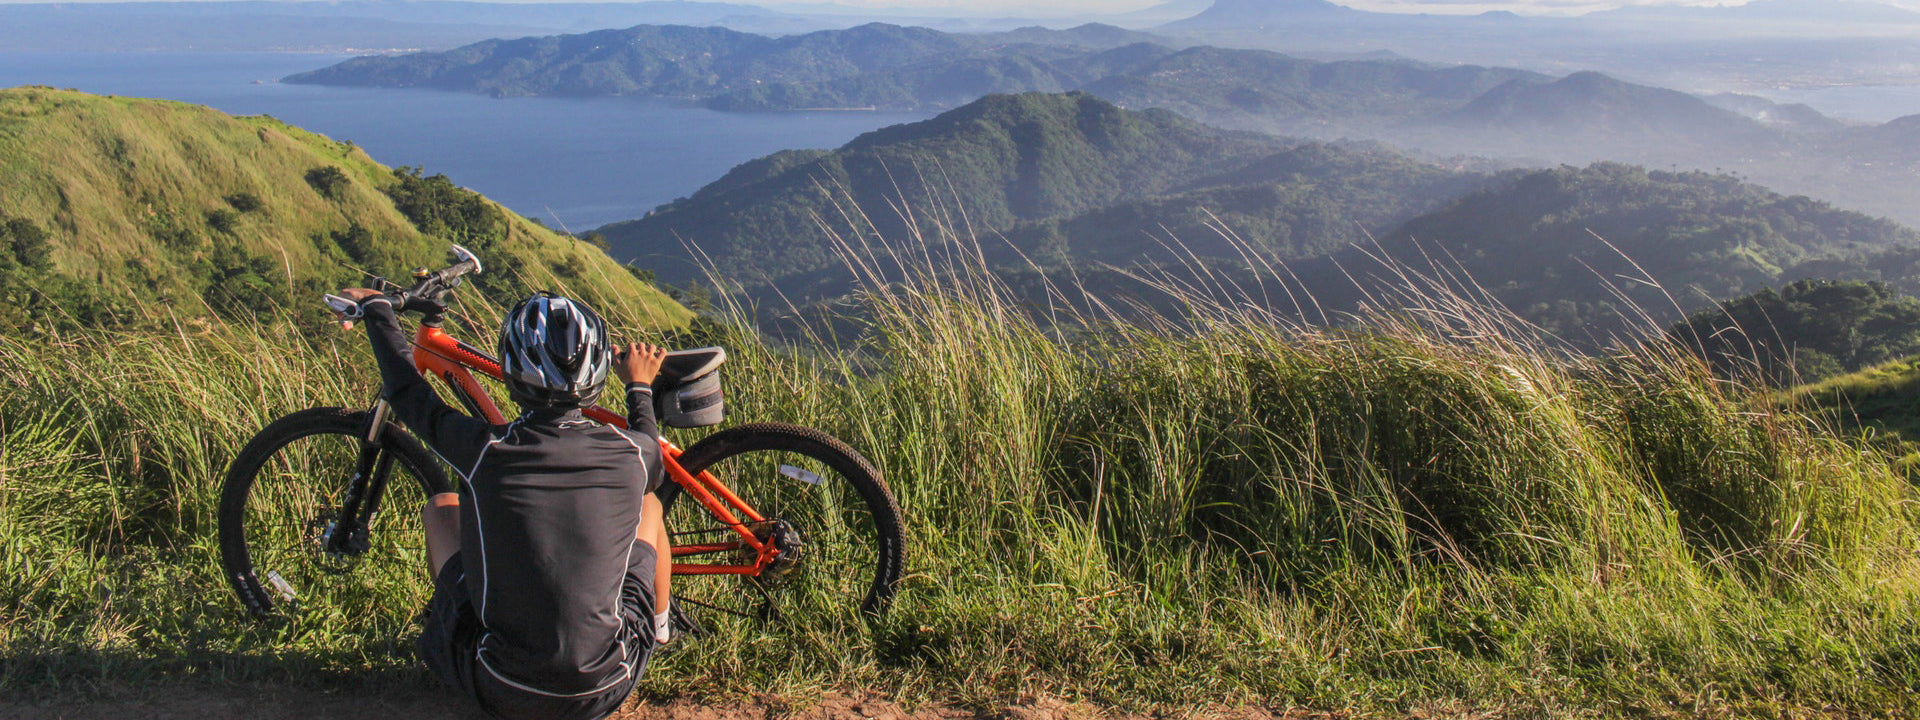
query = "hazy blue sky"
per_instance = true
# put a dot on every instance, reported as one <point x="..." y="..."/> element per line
<point x="1067" y="7"/>
<point x="1025" y="7"/>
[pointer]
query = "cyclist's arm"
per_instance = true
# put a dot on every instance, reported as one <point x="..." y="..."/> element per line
<point x="636" y="364"/>
<point x="640" y="409"/>
<point x="640" y="421"/>
<point x="455" y="435"/>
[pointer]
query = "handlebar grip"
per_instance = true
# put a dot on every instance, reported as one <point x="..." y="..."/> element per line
<point x="457" y="270"/>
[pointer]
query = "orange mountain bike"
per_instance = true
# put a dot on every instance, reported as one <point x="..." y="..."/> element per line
<point x="319" y="514"/>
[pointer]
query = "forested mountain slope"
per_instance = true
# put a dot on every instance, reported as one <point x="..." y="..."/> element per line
<point x="986" y="166"/>
<point x="889" y="66"/>
<point x="701" y="62"/>
<point x="1586" y="251"/>
<point x="1806" y="331"/>
<point x="1303" y="202"/>
<point x="1070" y="189"/>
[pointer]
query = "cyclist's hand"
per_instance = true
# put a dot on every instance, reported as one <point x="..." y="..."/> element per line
<point x="356" y="295"/>
<point x="637" y="362"/>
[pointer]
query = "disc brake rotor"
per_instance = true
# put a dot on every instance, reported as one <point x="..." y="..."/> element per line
<point x="319" y="540"/>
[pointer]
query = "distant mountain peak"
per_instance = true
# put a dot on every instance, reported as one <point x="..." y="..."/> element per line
<point x="1906" y="123"/>
<point x="1244" y="13"/>
<point x="1598" y="110"/>
<point x="1280" y="6"/>
<point x="1016" y="157"/>
<point x="1575" y="92"/>
<point x="1001" y="110"/>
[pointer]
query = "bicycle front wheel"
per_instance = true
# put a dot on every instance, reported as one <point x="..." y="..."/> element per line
<point x="824" y="505"/>
<point x="317" y="523"/>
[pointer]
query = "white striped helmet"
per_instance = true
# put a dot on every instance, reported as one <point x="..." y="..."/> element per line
<point x="554" y="352"/>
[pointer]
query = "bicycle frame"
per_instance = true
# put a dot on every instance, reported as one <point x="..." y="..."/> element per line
<point x="439" y="355"/>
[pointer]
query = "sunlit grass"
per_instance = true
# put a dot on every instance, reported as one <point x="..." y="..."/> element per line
<point x="1428" y="507"/>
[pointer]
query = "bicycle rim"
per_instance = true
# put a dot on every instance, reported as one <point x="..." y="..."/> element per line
<point x="291" y="509"/>
<point x="833" y="516"/>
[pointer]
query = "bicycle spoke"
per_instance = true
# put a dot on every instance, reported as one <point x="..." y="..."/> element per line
<point x="293" y="510"/>
<point x="811" y="510"/>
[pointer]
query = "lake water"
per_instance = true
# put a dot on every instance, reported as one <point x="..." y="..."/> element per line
<point x="584" y="162"/>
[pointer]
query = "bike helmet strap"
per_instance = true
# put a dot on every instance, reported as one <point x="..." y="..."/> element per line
<point x="554" y="352"/>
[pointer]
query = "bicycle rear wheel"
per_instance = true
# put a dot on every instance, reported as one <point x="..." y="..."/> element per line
<point x="824" y="504"/>
<point x="317" y="523"/>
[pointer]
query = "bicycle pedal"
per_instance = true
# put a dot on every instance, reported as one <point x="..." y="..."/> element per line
<point x="684" y="626"/>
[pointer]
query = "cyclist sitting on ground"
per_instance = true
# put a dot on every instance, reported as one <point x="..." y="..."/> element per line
<point x="549" y="590"/>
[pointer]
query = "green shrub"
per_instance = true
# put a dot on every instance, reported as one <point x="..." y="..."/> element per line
<point x="244" y="201"/>
<point x="222" y="220"/>
<point x="328" y="180"/>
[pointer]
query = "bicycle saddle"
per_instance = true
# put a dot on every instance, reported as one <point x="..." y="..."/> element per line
<point x="682" y="365"/>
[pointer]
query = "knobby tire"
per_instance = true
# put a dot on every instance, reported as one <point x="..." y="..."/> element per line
<point x="241" y="546"/>
<point x="746" y="443"/>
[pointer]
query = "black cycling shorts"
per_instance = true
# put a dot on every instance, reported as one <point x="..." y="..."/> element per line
<point x="450" y="641"/>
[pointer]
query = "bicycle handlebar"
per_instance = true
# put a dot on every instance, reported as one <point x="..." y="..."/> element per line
<point x="425" y="294"/>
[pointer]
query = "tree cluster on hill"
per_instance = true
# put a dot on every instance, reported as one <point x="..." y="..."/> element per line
<point x="1806" y="331"/>
<point x="29" y="292"/>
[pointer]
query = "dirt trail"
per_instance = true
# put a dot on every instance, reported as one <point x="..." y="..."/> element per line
<point x="252" y="703"/>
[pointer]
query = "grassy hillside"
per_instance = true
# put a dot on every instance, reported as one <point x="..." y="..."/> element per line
<point x="1882" y="400"/>
<point x="126" y="211"/>
<point x="1389" y="520"/>
<point x="1429" y="510"/>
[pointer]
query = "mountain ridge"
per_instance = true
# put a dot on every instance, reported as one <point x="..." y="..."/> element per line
<point x="1300" y="203"/>
<point x="1257" y="13"/>
<point x="1012" y="157"/>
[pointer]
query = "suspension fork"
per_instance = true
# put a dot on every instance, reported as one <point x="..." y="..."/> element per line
<point x="350" y="534"/>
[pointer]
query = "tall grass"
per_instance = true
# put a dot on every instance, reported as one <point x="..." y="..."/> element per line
<point x="1429" y="508"/>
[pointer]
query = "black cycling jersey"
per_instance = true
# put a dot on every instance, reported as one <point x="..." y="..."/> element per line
<point x="551" y="503"/>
